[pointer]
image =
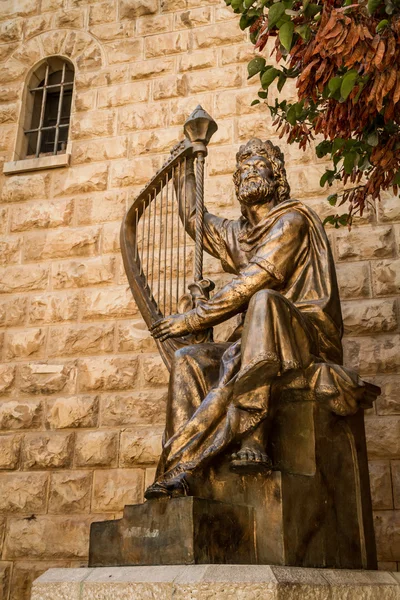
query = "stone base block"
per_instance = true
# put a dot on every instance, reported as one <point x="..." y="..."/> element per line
<point x="177" y="531"/>
<point x="220" y="582"/>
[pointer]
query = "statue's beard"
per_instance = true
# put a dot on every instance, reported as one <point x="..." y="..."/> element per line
<point x="255" y="190"/>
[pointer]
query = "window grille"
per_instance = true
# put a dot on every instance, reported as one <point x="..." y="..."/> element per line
<point x="51" y="109"/>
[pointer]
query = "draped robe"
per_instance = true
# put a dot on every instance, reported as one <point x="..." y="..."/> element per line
<point x="286" y="290"/>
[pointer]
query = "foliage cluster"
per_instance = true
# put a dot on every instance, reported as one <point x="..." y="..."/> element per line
<point x="345" y="59"/>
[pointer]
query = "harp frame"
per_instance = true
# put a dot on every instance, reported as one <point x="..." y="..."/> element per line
<point x="198" y="130"/>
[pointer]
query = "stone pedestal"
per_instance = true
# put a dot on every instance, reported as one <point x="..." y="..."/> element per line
<point x="220" y="582"/>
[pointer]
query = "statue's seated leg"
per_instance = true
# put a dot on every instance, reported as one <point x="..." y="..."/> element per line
<point x="252" y="456"/>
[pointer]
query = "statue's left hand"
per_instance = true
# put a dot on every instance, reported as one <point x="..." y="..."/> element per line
<point x="172" y="326"/>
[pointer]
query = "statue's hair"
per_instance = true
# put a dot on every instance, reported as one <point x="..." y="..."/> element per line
<point x="274" y="155"/>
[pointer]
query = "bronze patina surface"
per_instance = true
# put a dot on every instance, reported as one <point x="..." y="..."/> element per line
<point x="269" y="419"/>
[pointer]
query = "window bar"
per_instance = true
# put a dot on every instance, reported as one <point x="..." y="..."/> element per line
<point x="42" y="109"/>
<point x="59" y="109"/>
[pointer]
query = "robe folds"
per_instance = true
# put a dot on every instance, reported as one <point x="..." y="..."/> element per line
<point x="286" y="291"/>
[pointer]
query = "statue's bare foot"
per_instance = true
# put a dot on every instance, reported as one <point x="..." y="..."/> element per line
<point x="249" y="460"/>
<point x="173" y="487"/>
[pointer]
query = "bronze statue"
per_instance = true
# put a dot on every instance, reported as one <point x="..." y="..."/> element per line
<point x="264" y="432"/>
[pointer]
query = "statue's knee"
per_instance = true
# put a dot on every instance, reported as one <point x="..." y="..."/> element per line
<point x="184" y="355"/>
<point x="266" y="297"/>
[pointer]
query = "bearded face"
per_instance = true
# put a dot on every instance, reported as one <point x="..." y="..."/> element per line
<point x="255" y="184"/>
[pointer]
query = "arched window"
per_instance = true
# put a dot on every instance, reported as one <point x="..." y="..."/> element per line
<point x="48" y="108"/>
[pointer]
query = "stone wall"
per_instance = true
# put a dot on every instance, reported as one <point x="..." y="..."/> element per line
<point x="82" y="387"/>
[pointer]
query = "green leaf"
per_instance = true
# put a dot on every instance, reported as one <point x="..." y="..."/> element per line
<point x="332" y="199"/>
<point x="312" y="10"/>
<point x="373" y="5"/>
<point x="268" y="77"/>
<point x="334" y="84"/>
<point x="381" y="25"/>
<point x="338" y="143"/>
<point x="255" y="102"/>
<point x="327" y="177"/>
<point x="275" y="13"/>
<point x="286" y="35"/>
<point x="237" y="5"/>
<point x="281" y="81"/>
<point x="373" y="139"/>
<point x="248" y="3"/>
<point x="304" y="31"/>
<point x="343" y="219"/>
<point x="329" y="219"/>
<point x="348" y="162"/>
<point x="396" y="179"/>
<point x="255" y="66"/>
<point x="291" y="115"/>
<point x="244" y="22"/>
<point x="263" y="95"/>
<point x="348" y="83"/>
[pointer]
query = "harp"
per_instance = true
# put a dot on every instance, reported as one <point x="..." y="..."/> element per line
<point x="158" y="253"/>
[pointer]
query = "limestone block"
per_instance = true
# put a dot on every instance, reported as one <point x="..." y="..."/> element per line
<point x="4" y="212"/>
<point x="94" y="271"/>
<point x="140" y="447"/>
<point x="10" y="447"/>
<point x="148" y="116"/>
<point x="226" y="32"/>
<point x="7" y="136"/>
<point x="7" y="376"/>
<point x="383" y="437"/>
<point x="63" y="243"/>
<point x="193" y="18"/>
<point x="43" y="378"/>
<point x="90" y="58"/>
<point x="103" y="12"/>
<point x="395" y="465"/>
<point x="166" y="44"/>
<point x="23" y="492"/>
<point x="55" y="4"/>
<point x="354" y="280"/>
<point x="151" y="68"/>
<point x="111" y="238"/>
<point x="109" y="206"/>
<point x="108" y="373"/>
<point x="153" y="141"/>
<point x="88" y="339"/>
<point x="9" y="250"/>
<point x="5" y="576"/>
<point x="154" y="371"/>
<point x="48" y="537"/>
<point x="25" y="344"/>
<point x="249" y="127"/>
<point x="13" y="311"/>
<point x="133" y="172"/>
<point x="99" y="150"/>
<point x="113" y="302"/>
<point x="109" y="32"/>
<point x="28" y="53"/>
<point x="388" y="402"/>
<point x="197" y="60"/>
<point x="19" y="188"/>
<point x="20" y="414"/>
<point x="365" y="243"/>
<point x="224" y="14"/>
<point x="386" y="277"/>
<point x="388" y="209"/>
<point x="10" y="31"/>
<point x="69" y="18"/>
<point x="81" y="180"/>
<point x="370" y="316"/>
<point x="23" y="278"/>
<point x="116" y="74"/>
<point x="127" y="93"/>
<point x="19" y="8"/>
<point x="123" y="51"/>
<point x="85" y="100"/>
<point x="173" y="5"/>
<point x="9" y="93"/>
<point x="204" y="81"/>
<point x="170" y="87"/>
<point x="92" y="125"/>
<point x="12" y="70"/>
<point x="24" y="573"/>
<point x="387" y="531"/>
<point x="53" y="308"/>
<point x="96" y="449"/>
<point x="53" y="41"/>
<point x="6" y="50"/>
<point x="219" y="191"/>
<point x="181" y="108"/>
<point x="73" y="411"/>
<point x="9" y="113"/>
<point x="41" y="215"/>
<point x="35" y="25"/>
<point x="381" y="485"/>
<point x="113" y="489"/>
<point x="76" y="42"/>
<point x="137" y="408"/>
<point x="151" y="24"/>
<point x="373" y="355"/>
<point x="133" y="336"/>
<point x="45" y="450"/>
<point x="129" y="9"/>
<point x="70" y="492"/>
